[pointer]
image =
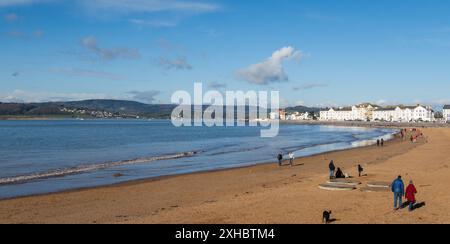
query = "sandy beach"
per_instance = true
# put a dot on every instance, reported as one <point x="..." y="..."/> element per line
<point x="264" y="193"/>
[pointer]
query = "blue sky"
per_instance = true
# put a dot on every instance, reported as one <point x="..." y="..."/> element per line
<point x="316" y="53"/>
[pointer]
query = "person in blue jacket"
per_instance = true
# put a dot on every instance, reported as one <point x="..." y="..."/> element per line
<point x="398" y="188"/>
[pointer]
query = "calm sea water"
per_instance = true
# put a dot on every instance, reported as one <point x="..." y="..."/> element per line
<point x="47" y="156"/>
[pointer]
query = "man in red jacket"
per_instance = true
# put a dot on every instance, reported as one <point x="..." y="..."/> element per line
<point x="411" y="195"/>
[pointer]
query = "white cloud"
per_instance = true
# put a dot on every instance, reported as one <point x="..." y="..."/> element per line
<point x="86" y="73"/>
<point x="271" y="69"/>
<point x="90" y="43"/>
<point x="144" y="96"/>
<point x="178" y="64"/>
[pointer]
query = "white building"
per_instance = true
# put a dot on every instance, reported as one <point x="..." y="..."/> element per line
<point x="446" y="113"/>
<point x="274" y="116"/>
<point x="362" y="112"/>
<point x="404" y="114"/>
<point x="299" y="116"/>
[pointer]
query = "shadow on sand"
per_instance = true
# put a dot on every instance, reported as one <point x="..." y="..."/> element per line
<point x="415" y="206"/>
<point x="332" y="221"/>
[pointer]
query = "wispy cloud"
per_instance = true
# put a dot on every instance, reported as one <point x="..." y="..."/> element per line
<point x="309" y="86"/>
<point x="90" y="43"/>
<point x="38" y="33"/>
<point x="142" y="6"/>
<point x="270" y="70"/>
<point x="85" y="73"/>
<point x="154" y="23"/>
<point x="17" y="34"/>
<point x="35" y="96"/>
<point x="12" y="17"/>
<point x="217" y="85"/>
<point x="144" y="96"/>
<point x="23" y="35"/>
<point x="179" y="63"/>
<point x="8" y="3"/>
<point x="319" y="17"/>
<point x="128" y="6"/>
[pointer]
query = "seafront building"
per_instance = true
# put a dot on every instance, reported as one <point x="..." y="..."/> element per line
<point x="361" y="112"/>
<point x="404" y="114"/>
<point x="369" y="112"/>
<point x="446" y="113"/>
<point x="299" y="116"/>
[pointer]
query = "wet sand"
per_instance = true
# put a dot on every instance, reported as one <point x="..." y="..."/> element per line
<point x="264" y="193"/>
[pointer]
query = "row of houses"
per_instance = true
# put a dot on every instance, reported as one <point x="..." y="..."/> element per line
<point x="446" y="113"/>
<point x="369" y="112"/>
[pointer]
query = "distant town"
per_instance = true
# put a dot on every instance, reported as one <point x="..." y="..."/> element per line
<point x="371" y="113"/>
<point x="119" y="109"/>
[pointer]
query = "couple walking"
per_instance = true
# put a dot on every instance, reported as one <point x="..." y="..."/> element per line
<point x="398" y="188"/>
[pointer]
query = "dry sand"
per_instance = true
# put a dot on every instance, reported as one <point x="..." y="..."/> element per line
<point x="263" y="193"/>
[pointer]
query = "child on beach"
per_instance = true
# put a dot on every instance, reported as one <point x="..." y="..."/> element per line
<point x="411" y="195"/>
<point x="360" y="170"/>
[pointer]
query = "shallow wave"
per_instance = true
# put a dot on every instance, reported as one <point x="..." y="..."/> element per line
<point x="88" y="168"/>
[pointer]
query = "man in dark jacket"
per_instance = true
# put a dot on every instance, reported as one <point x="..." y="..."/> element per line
<point x="332" y="169"/>
<point x="398" y="188"/>
<point x="280" y="159"/>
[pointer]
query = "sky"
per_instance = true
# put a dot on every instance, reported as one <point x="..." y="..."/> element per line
<point x="315" y="52"/>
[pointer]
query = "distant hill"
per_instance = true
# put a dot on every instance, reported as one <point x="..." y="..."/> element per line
<point x="302" y="109"/>
<point x="122" y="107"/>
<point x="88" y="108"/>
<point x="101" y="109"/>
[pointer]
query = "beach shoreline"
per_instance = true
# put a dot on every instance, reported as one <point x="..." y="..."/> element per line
<point x="360" y="144"/>
<point x="252" y="194"/>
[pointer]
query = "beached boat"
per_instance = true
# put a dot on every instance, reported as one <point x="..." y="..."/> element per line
<point x="374" y="189"/>
<point x="348" y="182"/>
<point x="336" y="187"/>
<point x="379" y="184"/>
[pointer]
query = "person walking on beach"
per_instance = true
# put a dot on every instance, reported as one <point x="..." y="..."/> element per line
<point x="382" y="142"/>
<point x="398" y="188"/>
<point x="332" y="169"/>
<point x="291" y="158"/>
<point x="378" y="142"/>
<point x="411" y="195"/>
<point x="280" y="159"/>
<point x="360" y="170"/>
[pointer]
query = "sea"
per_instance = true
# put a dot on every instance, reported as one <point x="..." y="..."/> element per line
<point x="39" y="157"/>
